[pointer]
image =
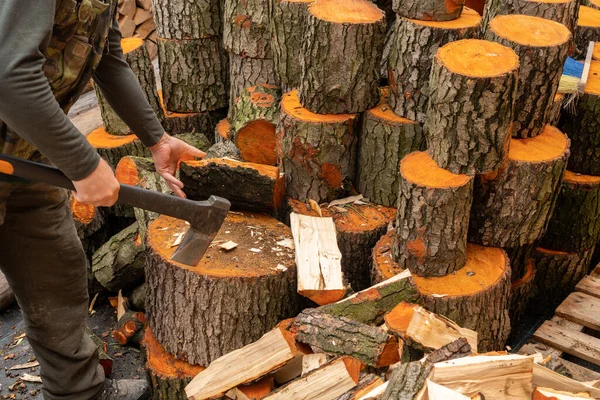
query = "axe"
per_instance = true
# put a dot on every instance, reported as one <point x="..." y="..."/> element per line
<point x="205" y="217"/>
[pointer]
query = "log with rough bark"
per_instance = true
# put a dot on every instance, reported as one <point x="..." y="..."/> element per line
<point x="195" y="122"/>
<point x="253" y="118"/>
<point x="246" y="72"/>
<point x="542" y="47"/>
<point x="408" y="381"/>
<point x="113" y="147"/>
<point x="432" y="219"/>
<point x="562" y="11"/>
<point x="184" y="305"/>
<point x="193" y="74"/>
<point x="457" y="349"/>
<point x="345" y="36"/>
<point x="224" y="149"/>
<point x="246" y="28"/>
<point x="135" y="53"/>
<point x="385" y="138"/>
<point x="512" y="206"/>
<point x="358" y="228"/>
<point x="340" y="336"/>
<point x="555" y="110"/>
<point x="519" y="258"/>
<point x="317" y="152"/>
<point x="587" y="29"/>
<point x="366" y="383"/>
<point x="520" y="293"/>
<point x="472" y="90"/>
<point x="130" y="329"/>
<point x="185" y="19"/>
<point x="413" y="46"/>
<point x="557" y="273"/>
<point x="575" y="223"/>
<point x="429" y="10"/>
<point x="288" y="22"/>
<point x="167" y="376"/>
<point x="90" y="223"/>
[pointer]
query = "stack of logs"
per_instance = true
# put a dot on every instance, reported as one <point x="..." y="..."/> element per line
<point x="135" y="19"/>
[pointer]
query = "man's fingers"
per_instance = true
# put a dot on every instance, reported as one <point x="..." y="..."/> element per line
<point x="175" y="184"/>
<point x="195" y="152"/>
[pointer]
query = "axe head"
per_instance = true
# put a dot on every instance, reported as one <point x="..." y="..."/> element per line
<point x="205" y="218"/>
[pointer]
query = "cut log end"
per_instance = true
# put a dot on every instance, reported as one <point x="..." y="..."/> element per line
<point x="82" y="213"/>
<point x="256" y="142"/>
<point x="478" y="58"/>
<point x="468" y="18"/>
<point x="131" y="44"/>
<point x="290" y="104"/>
<point x="530" y="31"/>
<point x="101" y="139"/>
<point x="127" y="172"/>
<point x="548" y="145"/>
<point x="347" y="11"/>
<point x="223" y="129"/>
<point x="420" y="169"/>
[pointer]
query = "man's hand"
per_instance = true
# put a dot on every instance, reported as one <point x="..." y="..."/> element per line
<point x="166" y="154"/>
<point x="100" y="188"/>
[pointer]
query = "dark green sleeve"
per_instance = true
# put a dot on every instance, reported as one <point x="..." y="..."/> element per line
<point x="124" y="94"/>
<point x="27" y="104"/>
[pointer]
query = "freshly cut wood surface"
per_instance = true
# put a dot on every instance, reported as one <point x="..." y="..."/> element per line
<point x="366" y="384"/>
<point x="112" y="147"/>
<point x="429" y="10"/>
<point x="589" y="285"/>
<point x="439" y="392"/>
<point x="571" y="342"/>
<point x="544" y="377"/>
<point x="551" y="394"/>
<point x="582" y="309"/>
<point x="249" y="363"/>
<point x="318" y="259"/>
<point x="587" y="29"/>
<point x="562" y="11"/>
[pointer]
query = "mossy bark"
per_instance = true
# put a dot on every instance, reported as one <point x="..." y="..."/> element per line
<point x="246" y="28"/>
<point x="565" y="12"/>
<point x="407" y="381"/>
<point x="246" y="72"/>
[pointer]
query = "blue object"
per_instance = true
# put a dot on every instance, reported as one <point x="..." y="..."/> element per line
<point x="573" y="68"/>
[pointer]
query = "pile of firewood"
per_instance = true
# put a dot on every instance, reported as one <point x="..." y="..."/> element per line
<point x="135" y="18"/>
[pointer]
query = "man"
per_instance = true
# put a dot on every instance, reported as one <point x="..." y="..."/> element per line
<point x="48" y="51"/>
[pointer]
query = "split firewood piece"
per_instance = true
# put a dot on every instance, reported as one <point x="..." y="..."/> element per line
<point x="245" y="72"/>
<point x="385" y="138"/>
<point x="257" y="187"/>
<point x="127" y="7"/>
<point x="471" y="105"/>
<point x="316" y="151"/>
<point x="557" y="273"/>
<point x="370" y="305"/>
<point x="119" y="263"/>
<point x="293" y="368"/>
<point x="439" y="392"/>
<point x="224" y="149"/>
<point x="520" y="293"/>
<point x="130" y="329"/>
<point x="252" y="391"/>
<point x="358" y="227"/>
<point x="429" y="10"/>
<point x="135" y="53"/>
<point x="551" y="394"/>
<point x="318" y="259"/>
<point x="512" y="206"/>
<point x="287" y="39"/>
<point x="544" y="377"/>
<point x="311" y="362"/>
<point x="587" y="29"/>
<point x="519" y="259"/>
<point x="253" y="119"/>
<point x="562" y="11"/>
<point x="345" y="36"/>
<point x="413" y="46"/>
<point x="456" y="349"/>
<point x="342" y="336"/>
<point x="555" y="110"/>
<point x="167" y="375"/>
<point x="246" y="28"/>
<point x="126" y="25"/>
<point x="501" y="377"/>
<point x="222" y="130"/>
<point x="182" y="305"/>
<point x="193" y="122"/>
<point x="366" y="384"/>
<point x="113" y="147"/>
<point x="432" y="220"/>
<point x="408" y="381"/>
<point x="141" y="16"/>
<point x="542" y="50"/>
<point x="575" y="223"/>
<point x="326" y="383"/>
<point x="184" y="19"/>
<point x="193" y="74"/>
<point x="271" y="351"/>
<point x="428" y="331"/>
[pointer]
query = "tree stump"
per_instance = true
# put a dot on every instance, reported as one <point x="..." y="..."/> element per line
<point x="317" y="152"/>
<point x="230" y="299"/>
<point x="246" y="28"/>
<point x="193" y="74"/>
<point x="429" y="10"/>
<point x="358" y="227"/>
<point x="587" y="29"/>
<point x="562" y="11"/>
<point x="137" y="56"/>
<point x="345" y="36"/>
<point x="557" y="273"/>
<point x="520" y="292"/>
<point x="166" y="375"/>
<point x="187" y="19"/>
<point x="288" y="21"/>
<point x="471" y="105"/>
<point x="413" y="46"/>
<point x="583" y="127"/>
<point x="542" y="47"/>
<point x="433" y="217"/>
<point x="385" y="138"/>
<point x="195" y="122"/>
<point x="575" y="223"/>
<point x="555" y="110"/>
<point x="112" y="147"/>
<point x="246" y="72"/>
<point x="512" y="206"/>
<point x="253" y="119"/>
<point x="222" y="130"/>
<point x="519" y="258"/>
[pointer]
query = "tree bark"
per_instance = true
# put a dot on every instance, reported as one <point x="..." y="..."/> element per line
<point x="587" y="29"/>
<point x="575" y="223"/>
<point x="193" y="74"/>
<point x="520" y="292"/>
<point x="384" y="264"/>
<point x="352" y="50"/>
<point x="469" y="119"/>
<point x="246" y="28"/>
<point x="88" y="219"/>
<point x="230" y="299"/>
<point x="130" y="329"/>
<point x="195" y="122"/>
<point x="458" y="349"/>
<point x="366" y="383"/>
<point x="339" y="336"/>
<point x="564" y="12"/>
<point x="222" y="130"/>
<point x="412" y="50"/>
<point x="512" y="206"/>
<point x="247" y="72"/>
<point x="288" y="22"/>
<point x="408" y="381"/>
<point x="112" y="147"/>
<point x="316" y="152"/>
<point x="540" y="68"/>
<point x="519" y="258"/>
<point x="555" y="110"/>
<point x="429" y="10"/>
<point x="385" y="139"/>
<point x="187" y="19"/>
<point x="224" y="149"/>
<point x="433" y="217"/>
